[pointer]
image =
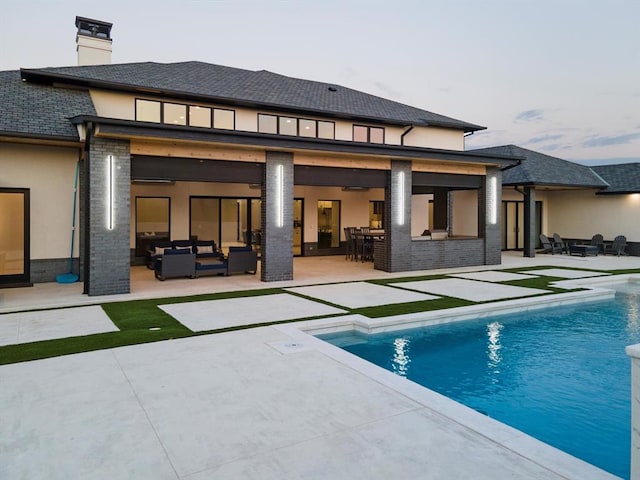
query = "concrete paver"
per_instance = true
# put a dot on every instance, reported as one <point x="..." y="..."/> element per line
<point x="360" y="294"/>
<point x="470" y="289"/>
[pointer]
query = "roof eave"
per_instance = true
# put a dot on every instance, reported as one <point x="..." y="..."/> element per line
<point x="155" y="130"/>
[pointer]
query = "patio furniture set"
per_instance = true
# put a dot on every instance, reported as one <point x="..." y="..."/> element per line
<point x="360" y="242"/>
<point x="596" y="246"/>
<point x="194" y="258"/>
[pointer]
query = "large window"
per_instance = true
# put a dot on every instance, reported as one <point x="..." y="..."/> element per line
<point x="183" y="114"/>
<point x="363" y="133"/>
<point x="152" y="222"/>
<point x="14" y="236"/>
<point x="227" y="221"/>
<point x="301" y="127"/>
<point x="328" y="224"/>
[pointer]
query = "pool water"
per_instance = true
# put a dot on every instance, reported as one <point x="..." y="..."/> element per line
<point x="559" y="374"/>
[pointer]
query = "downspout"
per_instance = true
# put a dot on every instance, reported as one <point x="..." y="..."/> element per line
<point x="87" y="210"/>
<point x="408" y="129"/>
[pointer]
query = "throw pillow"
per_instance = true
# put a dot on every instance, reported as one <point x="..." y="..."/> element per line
<point x="205" y="248"/>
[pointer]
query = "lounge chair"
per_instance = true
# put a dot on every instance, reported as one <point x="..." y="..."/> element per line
<point x="548" y="246"/>
<point x="617" y="247"/>
<point x="598" y="241"/>
<point x="558" y="241"/>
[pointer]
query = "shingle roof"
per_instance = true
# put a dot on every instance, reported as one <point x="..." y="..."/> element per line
<point x="260" y="88"/>
<point x="39" y="110"/>
<point x="540" y="169"/>
<point x="622" y="177"/>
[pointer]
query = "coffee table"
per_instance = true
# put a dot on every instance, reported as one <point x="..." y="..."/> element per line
<point x="583" y="250"/>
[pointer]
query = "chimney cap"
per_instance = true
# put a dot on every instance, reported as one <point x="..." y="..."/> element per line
<point x="93" y="28"/>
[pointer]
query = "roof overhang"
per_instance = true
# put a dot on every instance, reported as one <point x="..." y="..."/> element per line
<point x="129" y="129"/>
<point x="51" y="78"/>
<point x="50" y="140"/>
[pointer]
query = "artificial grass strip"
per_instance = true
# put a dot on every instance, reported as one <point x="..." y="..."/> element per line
<point x="411" y="307"/>
<point x="25" y="352"/>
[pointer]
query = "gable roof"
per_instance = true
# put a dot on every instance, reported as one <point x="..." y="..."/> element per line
<point x="621" y="177"/>
<point x="31" y="110"/>
<point x="538" y="169"/>
<point x="217" y="83"/>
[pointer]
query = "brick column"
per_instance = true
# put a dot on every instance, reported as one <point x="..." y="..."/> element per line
<point x="529" y="222"/>
<point x="109" y="220"/>
<point x="489" y="216"/>
<point x="277" y="217"/>
<point x="397" y="217"/>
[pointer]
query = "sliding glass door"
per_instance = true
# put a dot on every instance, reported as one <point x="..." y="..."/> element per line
<point x="14" y="237"/>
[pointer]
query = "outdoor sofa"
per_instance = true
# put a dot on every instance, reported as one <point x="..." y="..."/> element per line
<point x="201" y="248"/>
<point x="182" y="262"/>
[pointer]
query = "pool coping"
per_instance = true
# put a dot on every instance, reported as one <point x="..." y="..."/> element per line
<point x="304" y="333"/>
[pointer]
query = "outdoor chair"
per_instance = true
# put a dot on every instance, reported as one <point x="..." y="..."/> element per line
<point x="617" y="247"/>
<point x="351" y="243"/>
<point x="598" y="241"/>
<point x="548" y="246"/>
<point x="175" y="263"/>
<point x="558" y="241"/>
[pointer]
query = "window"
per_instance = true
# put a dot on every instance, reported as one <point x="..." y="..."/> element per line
<point x="328" y="224"/>
<point x="376" y="213"/>
<point x="14" y="236"/>
<point x="302" y="127"/>
<point x="152" y="222"/>
<point x="175" y="114"/>
<point x="199" y="116"/>
<point x="147" y="111"/>
<point x="267" y="123"/>
<point x="308" y="128"/>
<point x="362" y="133"/>
<point x="225" y="119"/>
<point x="376" y="135"/>
<point x="326" y="130"/>
<point x="288" y="126"/>
<point x="181" y="114"/>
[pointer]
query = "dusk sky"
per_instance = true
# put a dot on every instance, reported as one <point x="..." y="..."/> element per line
<point x="558" y="76"/>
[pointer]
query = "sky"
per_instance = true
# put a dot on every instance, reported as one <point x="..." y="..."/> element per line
<point x="561" y="77"/>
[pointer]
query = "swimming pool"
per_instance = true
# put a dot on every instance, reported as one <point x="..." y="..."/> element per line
<point x="559" y="374"/>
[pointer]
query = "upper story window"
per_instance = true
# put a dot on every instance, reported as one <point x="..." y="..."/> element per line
<point x="183" y="114"/>
<point x="364" y="133"/>
<point x="147" y="110"/>
<point x="175" y="114"/>
<point x="302" y="127"/>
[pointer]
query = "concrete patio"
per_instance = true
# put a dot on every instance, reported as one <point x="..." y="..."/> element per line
<point x="262" y="403"/>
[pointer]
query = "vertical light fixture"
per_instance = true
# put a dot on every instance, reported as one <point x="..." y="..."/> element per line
<point x="400" y="205"/>
<point x="279" y="196"/>
<point x="492" y="200"/>
<point x="110" y="193"/>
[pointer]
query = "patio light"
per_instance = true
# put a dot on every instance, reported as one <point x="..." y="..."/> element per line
<point x="110" y="193"/>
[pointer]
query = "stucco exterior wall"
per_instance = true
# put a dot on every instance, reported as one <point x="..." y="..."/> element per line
<point x="49" y="173"/>
<point x="581" y="214"/>
<point x="433" y="137"/>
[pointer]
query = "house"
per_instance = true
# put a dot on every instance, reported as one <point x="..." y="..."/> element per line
<point x="195" y="150"/>
<point x="546" y="194"/>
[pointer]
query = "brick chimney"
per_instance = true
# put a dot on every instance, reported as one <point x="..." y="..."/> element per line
<point x="93" y="41"/>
